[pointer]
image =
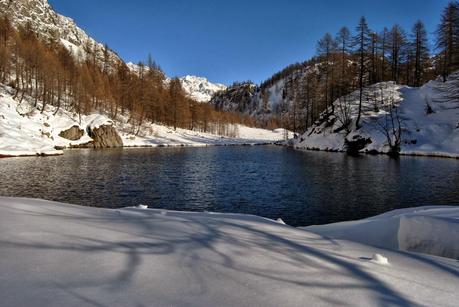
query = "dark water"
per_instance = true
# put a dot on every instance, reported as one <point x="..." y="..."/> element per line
<point x="302" y="188"/>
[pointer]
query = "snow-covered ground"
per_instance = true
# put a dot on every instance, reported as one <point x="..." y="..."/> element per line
<point x="429" y="121"/>
<point x="54" y="254"/>
<point x="24" y="130"/>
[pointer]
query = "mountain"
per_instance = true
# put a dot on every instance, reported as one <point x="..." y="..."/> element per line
<point x="275" y="100"/>
<point x="200" y="89"/>
<point x="52" y="26"/>
<point x="197" y="88"/>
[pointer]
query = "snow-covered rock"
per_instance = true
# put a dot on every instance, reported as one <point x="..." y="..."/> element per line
<point x="54" y="254"/>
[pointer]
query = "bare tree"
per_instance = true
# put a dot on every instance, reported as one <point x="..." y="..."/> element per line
<point x="391" y="124"/>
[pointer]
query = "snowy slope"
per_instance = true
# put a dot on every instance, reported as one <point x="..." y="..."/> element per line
<point x="20" y="135"/>
<point x="53" y="254"/>
<point x="24" y="130"/>
<point x="433" y="133"/>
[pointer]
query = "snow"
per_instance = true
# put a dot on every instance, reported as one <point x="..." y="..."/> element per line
<point x="158" y="135"/>
<point x="26" y="131"/>
<point x="435" y="134"/>
<point x="429" y="230"/>
<point x="54" y="254"/>
<point x="379" y="259"/>
<point x="199" y="88"/>
<point x="19" y="135"/>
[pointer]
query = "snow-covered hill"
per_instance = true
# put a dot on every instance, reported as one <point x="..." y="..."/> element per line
<point x="425" y="121"/>
<point x="54" y="254"/>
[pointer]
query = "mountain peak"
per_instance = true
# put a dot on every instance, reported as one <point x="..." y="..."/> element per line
<point x="199" y="88"/>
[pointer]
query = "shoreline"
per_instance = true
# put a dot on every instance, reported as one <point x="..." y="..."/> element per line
<point x="379" y="153"/>
<point x="61" y="152"/>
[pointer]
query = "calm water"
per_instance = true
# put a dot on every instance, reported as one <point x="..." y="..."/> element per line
<point x="302" y="188"/>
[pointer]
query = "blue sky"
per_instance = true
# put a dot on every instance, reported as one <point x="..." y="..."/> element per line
<point x="233" y="40"/>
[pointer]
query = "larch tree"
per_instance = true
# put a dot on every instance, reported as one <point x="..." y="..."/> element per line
<point x="448" y="39"/>
<point x="362" y="42"/>
<point x="344" y="42"/>
<point x="383" y="47"/>
<point x="326" y="47"/>
<point x="397" y="43"/>
<point x="419" y="43"/>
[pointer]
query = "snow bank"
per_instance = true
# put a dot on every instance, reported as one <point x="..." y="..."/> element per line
<point x="53" y="254"/>
<point x="430" y="230"/>
<point x="428" y="133"/>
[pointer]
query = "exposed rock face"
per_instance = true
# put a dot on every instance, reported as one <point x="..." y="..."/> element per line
<point x="105" y="136"/>
<point x="74" y="133"/>
<point x="237" y="98"/>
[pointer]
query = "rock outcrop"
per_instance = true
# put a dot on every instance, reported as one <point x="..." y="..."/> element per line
<point x="105" y="136"/>
<point x="73" y="134"/>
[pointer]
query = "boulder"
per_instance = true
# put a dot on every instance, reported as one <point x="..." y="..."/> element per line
<point x="356" y="143"/>
<point x="105" y="136"/>
<point x="74" y="133"/>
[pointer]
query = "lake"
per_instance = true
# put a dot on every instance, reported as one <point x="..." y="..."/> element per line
<point x="302" y="188"/>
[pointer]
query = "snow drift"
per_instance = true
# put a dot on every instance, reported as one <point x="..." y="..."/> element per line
<point x="429" y="230"/>
<point x="53" y="254"/>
